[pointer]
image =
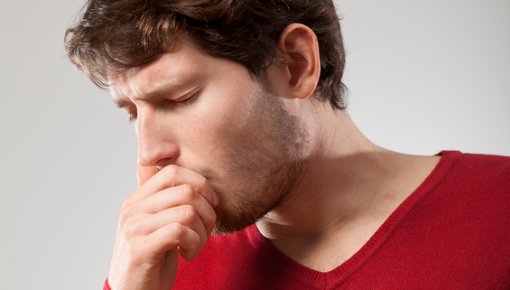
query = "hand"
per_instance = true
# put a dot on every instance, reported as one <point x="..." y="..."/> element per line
<point x="171" y="213"/>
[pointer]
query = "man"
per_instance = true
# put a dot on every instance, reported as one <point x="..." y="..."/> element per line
<point x="242" y="131"/>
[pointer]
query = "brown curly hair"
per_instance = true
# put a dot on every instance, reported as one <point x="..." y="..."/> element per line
<point x="113" y="36"/>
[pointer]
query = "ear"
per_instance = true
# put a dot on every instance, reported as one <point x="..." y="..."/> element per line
<point x="299" y="48"/>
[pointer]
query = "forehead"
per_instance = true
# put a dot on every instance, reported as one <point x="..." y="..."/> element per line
<point x="183" y="64"/>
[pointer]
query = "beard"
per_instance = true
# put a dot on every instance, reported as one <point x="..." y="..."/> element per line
<point x="263" y="164"/>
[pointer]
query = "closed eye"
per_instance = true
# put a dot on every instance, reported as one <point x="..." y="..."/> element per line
<point x="187" y="100"/>
<point x="170" y="104"/>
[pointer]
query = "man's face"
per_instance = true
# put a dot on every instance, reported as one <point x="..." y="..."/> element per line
<point x="209" y="115"/>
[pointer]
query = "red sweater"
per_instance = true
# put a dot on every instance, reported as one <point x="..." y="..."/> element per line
<point x="453" y="232"/>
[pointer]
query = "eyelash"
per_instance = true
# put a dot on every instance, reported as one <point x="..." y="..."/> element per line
<point x="166" y="102"/>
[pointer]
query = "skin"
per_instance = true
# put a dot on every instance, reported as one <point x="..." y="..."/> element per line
<point x="219" y="148"/>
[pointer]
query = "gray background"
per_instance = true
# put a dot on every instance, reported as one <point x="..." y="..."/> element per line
<point x="423" y="76"/>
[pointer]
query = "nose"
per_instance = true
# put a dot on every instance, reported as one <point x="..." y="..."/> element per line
<point x="155" y="147"/>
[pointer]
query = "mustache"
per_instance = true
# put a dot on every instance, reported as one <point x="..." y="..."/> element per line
<point x="203" y="170"/>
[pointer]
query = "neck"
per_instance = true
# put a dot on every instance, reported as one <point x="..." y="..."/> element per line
<point x="349" y="189"/>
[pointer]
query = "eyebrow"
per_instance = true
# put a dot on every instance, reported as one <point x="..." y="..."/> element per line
<point x="161" y="88"/>
<point x="120" y="102"/>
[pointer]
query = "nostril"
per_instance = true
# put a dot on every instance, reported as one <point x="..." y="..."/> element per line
<point x="162" y="163"/>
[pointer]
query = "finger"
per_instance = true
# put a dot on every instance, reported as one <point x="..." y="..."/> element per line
<point x="180" y="215"/>
<point x="168" y="269"/>
<point x="199" y="227"/>
<point x="144" y="173"/>
<point x="189" y="254"/>
<point x="179" y="196"/>
<point x="174" y="175"/>
<point x="170" y="237"/>
<point x="184" y="214"/>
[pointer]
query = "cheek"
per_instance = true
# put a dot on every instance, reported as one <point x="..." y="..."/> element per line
<point x="212" y="127"/>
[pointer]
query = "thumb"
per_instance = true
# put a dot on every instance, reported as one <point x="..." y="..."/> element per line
<point x="144" y="173"/>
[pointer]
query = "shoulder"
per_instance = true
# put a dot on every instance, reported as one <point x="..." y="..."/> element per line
<point x="478" y="171"/>
<point x="475" y="191"/>
<point x="460" y="223"/>
<point x="488" y="162"/>
<point x="467" y="195"/>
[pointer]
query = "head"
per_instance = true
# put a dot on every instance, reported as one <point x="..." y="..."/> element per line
<point x="213" y="86"/>
<point x="114" y="36"/>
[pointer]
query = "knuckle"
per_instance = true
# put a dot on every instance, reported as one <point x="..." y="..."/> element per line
<point x="187" y="193"/>
<point x="127" y="202"/>
<point x="189" y="214"/>
<point x="171" y="170"/>
<point x="175" y="231"/>
<point x="131" y="229"/>
<point x="126" y="213"/>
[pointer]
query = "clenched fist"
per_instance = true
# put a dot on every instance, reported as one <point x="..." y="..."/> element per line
<point x="171" y="213"/>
